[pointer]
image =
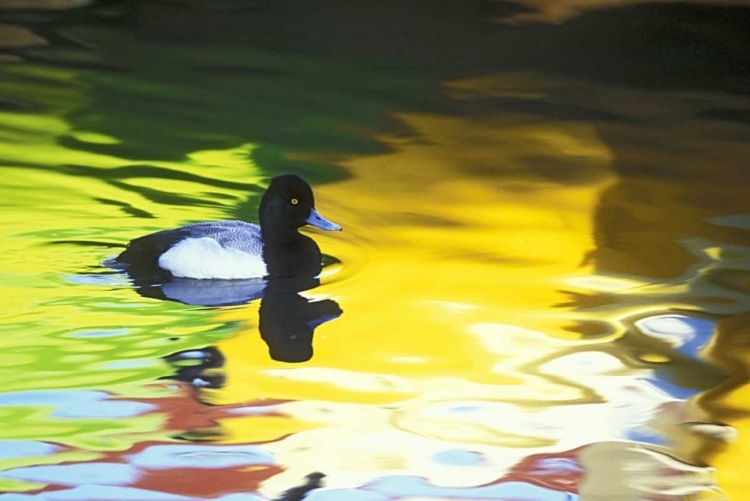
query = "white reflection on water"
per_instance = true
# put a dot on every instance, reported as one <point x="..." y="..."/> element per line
<point x="458" y="435"/>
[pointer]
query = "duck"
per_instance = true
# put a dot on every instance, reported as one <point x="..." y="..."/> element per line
<point x="228" y="250"/>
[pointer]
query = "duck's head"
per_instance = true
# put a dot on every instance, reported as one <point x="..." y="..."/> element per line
<point x="288" y="204"/>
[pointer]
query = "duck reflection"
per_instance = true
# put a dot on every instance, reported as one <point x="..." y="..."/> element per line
<point x="287" y="320"/>
<point x="202" y="292"/>
<point x="202" y="368"/>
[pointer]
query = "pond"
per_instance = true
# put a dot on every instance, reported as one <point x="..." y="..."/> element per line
<point x="541" y="290"/>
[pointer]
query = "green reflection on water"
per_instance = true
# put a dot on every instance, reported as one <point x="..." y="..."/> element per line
<point x="168" y="134"/>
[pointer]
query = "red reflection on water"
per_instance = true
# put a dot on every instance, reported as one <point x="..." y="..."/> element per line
<point x="559" y="471"/>
<point x="196" y="482"/>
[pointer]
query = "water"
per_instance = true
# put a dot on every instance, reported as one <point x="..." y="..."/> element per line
<point x="541" y="290"/>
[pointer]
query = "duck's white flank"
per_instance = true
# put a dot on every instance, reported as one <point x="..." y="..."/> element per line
<point x="206" y="258"/>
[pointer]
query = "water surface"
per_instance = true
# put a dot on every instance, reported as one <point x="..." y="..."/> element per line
<point x="541" y="291"/>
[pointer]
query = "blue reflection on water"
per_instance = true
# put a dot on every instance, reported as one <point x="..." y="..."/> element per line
<point x="109" y="493"/>
<point x="459" y="457"/>
<point x="346" y="495"/>
<point x="11" y="449"/>
<point x="408" y="486"/>
<point x="76" y="403"/>
<point x="100" y="333"/>
<point x="687" y="334"/>
<point x="647" y="436"/>
<point x="76" y="474"/>
<point x="660" y="382"/>
<point x="201" y="456"/>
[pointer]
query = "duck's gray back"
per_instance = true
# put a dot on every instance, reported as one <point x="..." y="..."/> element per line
<point x="239" y="235"/>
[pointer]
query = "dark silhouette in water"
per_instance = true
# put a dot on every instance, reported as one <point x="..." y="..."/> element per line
<point x="314" y="481"/>
<point x="287" y="320"/>
<point x="287" y="324"/>
<point x="195" y="367"/>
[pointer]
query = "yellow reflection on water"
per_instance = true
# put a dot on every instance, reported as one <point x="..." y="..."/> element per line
<point x="465" y="292"/>
<point x="450" y="231"/>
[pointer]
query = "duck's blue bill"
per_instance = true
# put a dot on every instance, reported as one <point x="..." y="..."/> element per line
<point x="315" y="219"/>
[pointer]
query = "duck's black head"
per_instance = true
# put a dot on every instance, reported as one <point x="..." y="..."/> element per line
<point x="288" y="204"/>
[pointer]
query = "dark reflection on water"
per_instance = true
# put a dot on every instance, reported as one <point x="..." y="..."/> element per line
<point x="287" y="323"/>
<point x="200" y="368"/>
<point x="313" y="481"/>
<point x="286" y="319"/>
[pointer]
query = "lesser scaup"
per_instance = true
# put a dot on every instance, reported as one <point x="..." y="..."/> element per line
<point x="236" y="249"/>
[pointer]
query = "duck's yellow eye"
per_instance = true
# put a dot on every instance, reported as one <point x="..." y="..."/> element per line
<point x="294" y="201"/>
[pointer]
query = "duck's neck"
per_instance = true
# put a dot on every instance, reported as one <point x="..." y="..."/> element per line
<point x="279" y="235"/>
<point x="290" y="254"/>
